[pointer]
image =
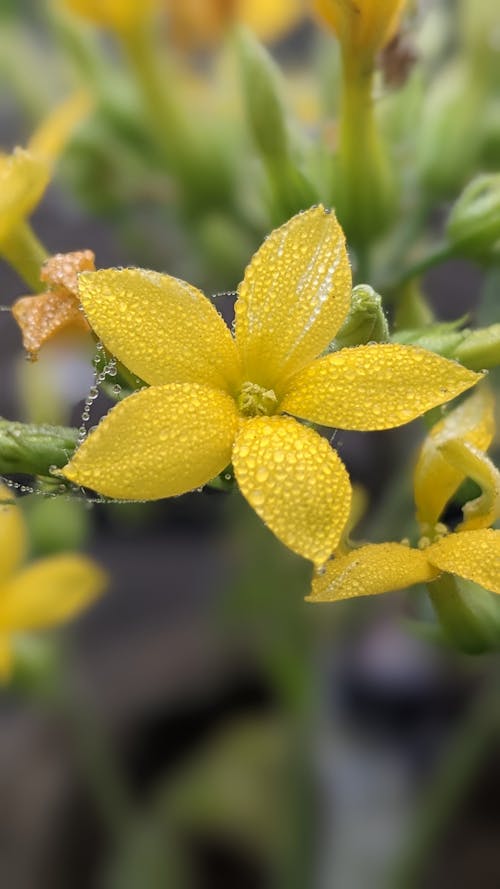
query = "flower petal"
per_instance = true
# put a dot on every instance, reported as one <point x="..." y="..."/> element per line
<point x="157" y="443"/>
<point x="23" y="179"/>
<point x="295" y="482"/>
<point x="13" y="541"/>
<point x="473" y="463"/>
<point x="42" y="317"/>
<point x="5" y="658"/>
<point x="161" y="328"/>
<point x="370" y="570"/>
<point x="294" y="297"/>
<point x="436" y="479"/>
<point x="473" y="555"/>
<point x="377" y="386"/>
<point x="50" y="591"/>
<point x="50" y="139"/>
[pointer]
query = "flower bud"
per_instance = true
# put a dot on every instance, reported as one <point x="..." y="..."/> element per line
<point x="473" y="226"/>
<point x="479" y="349"/>
<point x="34" y="450"/>
<point x="468" y="614"/>
<point x="365" y="322"/>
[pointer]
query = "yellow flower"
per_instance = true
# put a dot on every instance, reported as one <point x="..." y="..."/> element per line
<point x="43" y="316"/>
<point x="215" y="399"/>
<point x="24" y="174"/>
<point x="363" y="27"/>
<point x="45" y="593"/>
<point x="201" y="22"/>
<point x="119" y="15"/>
<point x="472" y="552"/>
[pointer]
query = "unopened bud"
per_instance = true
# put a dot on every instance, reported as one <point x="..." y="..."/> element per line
<point x="473" y="226"/>
<point x="365" y="322"/>
<point x="34" y="450"/>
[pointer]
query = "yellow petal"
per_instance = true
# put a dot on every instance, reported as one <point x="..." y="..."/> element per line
<point x="435" y="478"/>
<point x="377" y="386"/>
<point x="370" y="570"/>
<point x="49" y="591"/>
<point x="23" y="179"/>
<point x="473" y="555"/>
<point x="157" y="443"/>
<point x="295" y="482"/>
<point x="362" y="25"/>
<point x="474" y="464"/>
<point x="161" y="328"/>
<point x="42" y="317"/>
<point x="12" y="534"/>
<point x="271" y="20"/>
<point x="295" y="294"/>
<point x="49" y="140"/>
<point x="5" y="658"/>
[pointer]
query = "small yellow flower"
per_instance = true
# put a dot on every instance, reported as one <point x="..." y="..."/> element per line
<point x="44" y="594"/>
<point x="119" y="15"/>
<point x="215" y="399"/>
<point x="24" y="174"/>
<point x="362" y="26"/>
<point x="43" y="316"/>
<point x="201" y="22"/>
<point x="472" y="551"/>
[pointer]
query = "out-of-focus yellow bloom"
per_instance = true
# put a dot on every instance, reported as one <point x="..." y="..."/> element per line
<point x="25" y="173"/>
<point x="119" y="15"/>
<point x="202" y="22"/>
<point x="363" y="27"/>
<point x="213" y="399"/>
<point x="43" y="594"/>
<point x="471" y="552"/>
<point x="43" y="316"/>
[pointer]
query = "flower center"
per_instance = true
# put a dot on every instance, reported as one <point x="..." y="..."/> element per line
<point x="431" y="534"/>
<point x="255" y="401"/>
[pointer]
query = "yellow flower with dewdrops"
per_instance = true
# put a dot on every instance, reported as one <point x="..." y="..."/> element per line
<point x="363" y="27"/>
<point x="42" y="595"/>
<point x="47" y="314"/>
<point x="214" y="399"/>
<point x="452" y="452"/>
<point x="25" y="174"/>
<point x="119" y="15"/>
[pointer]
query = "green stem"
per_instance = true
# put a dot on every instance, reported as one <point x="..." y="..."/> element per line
<point x="154" y="80"/>
<point x="26" y="254"/>
<point x="365" y="188"/>
<point x="456" y="771"/>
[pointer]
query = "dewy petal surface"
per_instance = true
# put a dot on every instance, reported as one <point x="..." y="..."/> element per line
<point x="161" y="328"/>
<point x="49" y="591"/>
<point x="378" y="386"/>
<point x="157" y="443"/>
<point x="473" y="555"/>
<point x="370" y="570"/>
<point x="295" y="294"/>
<point x="296" y="483"/>
<point x="435" y="478"/>
<point x="13" y="541"/>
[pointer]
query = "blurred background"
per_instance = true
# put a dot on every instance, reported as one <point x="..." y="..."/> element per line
<point x="214" y="730"/>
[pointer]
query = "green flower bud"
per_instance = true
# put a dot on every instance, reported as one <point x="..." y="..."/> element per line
<point x="480" y="349"/>
<point x="30" y="449"/>
<point x="262" y="94"/>
<point x="366" y="321"/>
<point x="468" y="614"/>
<point x="473" y="226"/>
